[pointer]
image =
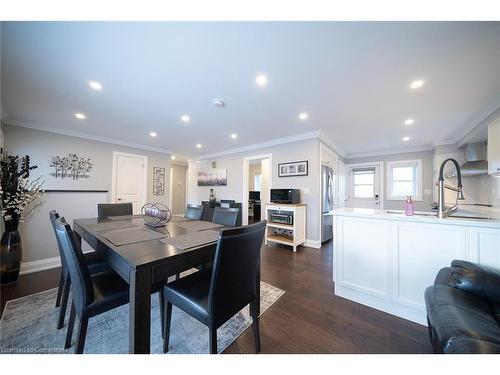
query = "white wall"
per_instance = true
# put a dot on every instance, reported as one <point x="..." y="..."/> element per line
<point x="295" y="151"/>
<point x="427" y="173"/>
<point x="37" y="236"/>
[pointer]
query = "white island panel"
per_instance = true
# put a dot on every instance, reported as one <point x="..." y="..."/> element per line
<point x="365" y="257"/>
<point x="420" y="251"/>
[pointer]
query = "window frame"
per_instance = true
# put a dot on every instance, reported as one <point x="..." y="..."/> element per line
<point x="354" y="185"/>
<point x="418" y="183"/>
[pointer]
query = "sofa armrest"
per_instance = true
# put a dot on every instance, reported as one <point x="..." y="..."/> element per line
<point x="465" y="345"/>
<point x="476" y="279"/>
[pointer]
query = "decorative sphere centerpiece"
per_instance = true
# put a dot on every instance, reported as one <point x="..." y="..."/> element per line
<point x="156" y="214"/>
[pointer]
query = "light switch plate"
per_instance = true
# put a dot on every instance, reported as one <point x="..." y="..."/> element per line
<point x="307" y="191"/>
<point x="427" y="191"/>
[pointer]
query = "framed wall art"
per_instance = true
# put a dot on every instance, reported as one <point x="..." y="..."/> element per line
<point x="293" y="169"/>
<point x="158" y="181"/>
<point x="212" y="177"/>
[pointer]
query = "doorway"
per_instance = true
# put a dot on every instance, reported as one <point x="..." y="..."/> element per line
<point x="256" y="187"/>
<point x="129" y="183"/>
<point x="178" y="186"/>
<point x="365" y="185"/>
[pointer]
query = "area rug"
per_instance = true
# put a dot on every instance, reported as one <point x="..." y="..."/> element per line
<point x="28" y="325"/>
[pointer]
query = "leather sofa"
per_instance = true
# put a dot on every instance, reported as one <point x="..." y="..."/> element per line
<point x="463" y="309"/>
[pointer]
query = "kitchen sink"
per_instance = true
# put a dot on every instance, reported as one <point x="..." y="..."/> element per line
<point x="433" y="214"/>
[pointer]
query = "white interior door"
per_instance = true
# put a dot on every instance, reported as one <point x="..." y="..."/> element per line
<point x="364" y="186"/>
<point x="130" y="180"/>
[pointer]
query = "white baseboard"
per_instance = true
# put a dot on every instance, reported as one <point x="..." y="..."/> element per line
<point x="40" y="265"/>
<point x="313" y="243"/>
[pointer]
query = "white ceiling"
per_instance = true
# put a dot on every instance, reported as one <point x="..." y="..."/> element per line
<point x="352" y="78"/>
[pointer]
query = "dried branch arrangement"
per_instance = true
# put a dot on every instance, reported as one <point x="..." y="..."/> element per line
<point x="18" y="195"/>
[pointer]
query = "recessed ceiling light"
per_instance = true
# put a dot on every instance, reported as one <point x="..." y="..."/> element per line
<point x="406" y="139"/>
<point x="261" y="80"/>
<point x="94" y="85"/>
<point x="172" y="157"/>
<point x="185" y="118"/>
<point x="80" y="116"/>
<point x="153" y="134"/>
<point x="303" y="116"/>
<point x="198" y="145"/>
<point x="416" y="84"/>
<point x="409" y="121"/>
<point x="234" y="135"/>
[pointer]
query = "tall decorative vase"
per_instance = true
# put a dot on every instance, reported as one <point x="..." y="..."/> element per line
<point x="10" y="254"/>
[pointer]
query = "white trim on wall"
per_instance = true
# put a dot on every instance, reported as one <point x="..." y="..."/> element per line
<point x="40" y="265"/>
<point x="83" y="135"/>
<point x="246" y="164"/>
<point x="256" y="146"/>
<point x="419" y="178"/>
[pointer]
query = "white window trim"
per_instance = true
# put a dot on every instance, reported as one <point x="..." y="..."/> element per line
<point x="404" y="163"/>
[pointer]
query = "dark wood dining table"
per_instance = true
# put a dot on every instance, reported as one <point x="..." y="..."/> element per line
<point x="146" y="266"/>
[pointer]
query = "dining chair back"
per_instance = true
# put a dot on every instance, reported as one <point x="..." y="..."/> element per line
<point x="114" y="209"/>
<point x="234" y="272"/>
<point x="83" y="292"/>
<point x="193" y="212"/>
<point x="226" y="216"/>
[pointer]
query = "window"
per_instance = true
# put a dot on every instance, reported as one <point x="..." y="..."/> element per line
<point x="404" y="178"/>
<point x="256" y="182"/>
<point x="363" y="183"/>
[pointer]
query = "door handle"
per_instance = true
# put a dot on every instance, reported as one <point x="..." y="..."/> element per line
<point x="118" y="199"/>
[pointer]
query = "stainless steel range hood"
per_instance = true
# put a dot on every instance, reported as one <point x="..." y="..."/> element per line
<point x="475" y="156"/>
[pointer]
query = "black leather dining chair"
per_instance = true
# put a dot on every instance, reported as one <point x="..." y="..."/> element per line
<point x="92" y="294"/>
<point x="95" y="264"/>
<point x="226" y="216"/>
<point x="114" y="209"/>
<point x="193" y="212"/>
<point x="214" y="295"/>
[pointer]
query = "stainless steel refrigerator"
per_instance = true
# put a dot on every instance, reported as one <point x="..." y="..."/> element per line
<point x="327" y="202"/>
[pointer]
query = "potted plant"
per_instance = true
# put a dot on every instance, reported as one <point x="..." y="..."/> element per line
<point x="18" y="198"/>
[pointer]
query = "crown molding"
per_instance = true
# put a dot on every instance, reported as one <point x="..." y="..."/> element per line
<point x="328" y="142"/>
<point x="256" y="146"/>
<point x="390" y="152"/>
<point x="481" y="123"/>
<point x="82" y="135"/>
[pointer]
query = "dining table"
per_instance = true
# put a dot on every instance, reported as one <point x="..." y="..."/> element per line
<point x="147" y="265"/>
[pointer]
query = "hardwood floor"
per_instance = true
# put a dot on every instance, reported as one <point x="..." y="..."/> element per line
<point x="308" y="318"/>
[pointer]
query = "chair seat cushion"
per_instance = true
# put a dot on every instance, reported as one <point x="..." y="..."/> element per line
<point x="190" y="294"/>
<point x="455" y="314"/>
<point x="95" y="262"/>
<point x="110" y="291"/>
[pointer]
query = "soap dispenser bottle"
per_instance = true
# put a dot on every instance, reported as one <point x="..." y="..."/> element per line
<point x="408" y="206"/>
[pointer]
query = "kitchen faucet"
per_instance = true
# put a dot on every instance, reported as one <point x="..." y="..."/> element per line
<point x="442" y="210"/>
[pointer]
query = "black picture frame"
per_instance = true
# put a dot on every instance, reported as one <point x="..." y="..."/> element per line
<point x="293" y="169"/>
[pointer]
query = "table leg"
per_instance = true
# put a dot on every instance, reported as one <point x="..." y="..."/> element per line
<point x="140" y="311"/>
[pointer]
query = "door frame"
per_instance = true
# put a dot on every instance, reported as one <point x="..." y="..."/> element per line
<point x="381" y="193"/>
<point x="114" y="173"/>
<point x="246" y="165"/>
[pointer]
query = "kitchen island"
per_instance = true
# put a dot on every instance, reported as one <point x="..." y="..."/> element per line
<point x="386" y="260"/>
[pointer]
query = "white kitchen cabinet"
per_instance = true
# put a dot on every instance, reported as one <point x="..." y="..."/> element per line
<point x="484" y="247"/>
<point x="494" y="148"/>
<point x="364" y="259"/>
<point x="419" y="252"/>
<point x="328" y="157"/>
<point x="387" y="261"/>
